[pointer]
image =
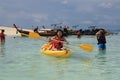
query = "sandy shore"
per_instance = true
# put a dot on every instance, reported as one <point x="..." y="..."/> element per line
<point x="9" y="31"/>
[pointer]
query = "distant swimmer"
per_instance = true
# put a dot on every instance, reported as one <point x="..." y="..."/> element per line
<point x="102" y="39"/>
<point x="78" y="34"/>
<point x="2" y="36"/>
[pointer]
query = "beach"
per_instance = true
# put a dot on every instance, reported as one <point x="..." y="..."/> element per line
<point x="11" y="31"/>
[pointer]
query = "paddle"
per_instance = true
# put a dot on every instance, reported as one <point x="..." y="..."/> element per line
<point x="23" y="34"/>
<point x="30" y="35"/>
<point x="34" y="35"/>
<point x="85" y="46"/>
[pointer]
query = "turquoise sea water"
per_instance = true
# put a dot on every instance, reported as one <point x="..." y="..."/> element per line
<point x="20" y="59"/>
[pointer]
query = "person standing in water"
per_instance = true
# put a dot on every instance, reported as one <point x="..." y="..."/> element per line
<point x="2" y="37"/>
<point x="57" y="41"/>
<point x="102" y="39"/>
<point x="79" y="34"/>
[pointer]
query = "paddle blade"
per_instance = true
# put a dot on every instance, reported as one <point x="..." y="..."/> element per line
<point x="86" y="47"/>
<point x="34" y="35"/>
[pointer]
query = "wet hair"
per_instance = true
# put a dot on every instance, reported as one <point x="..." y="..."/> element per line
<point x="102" y="31"/>
<point x="60" y="31"/>
<point x="2" y="30"/>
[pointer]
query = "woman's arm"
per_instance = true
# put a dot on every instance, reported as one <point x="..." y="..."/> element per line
<point x="106" y="33"/>
<point x="65" y="41"/>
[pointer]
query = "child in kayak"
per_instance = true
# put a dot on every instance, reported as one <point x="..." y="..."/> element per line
<point x="57" y="41"/>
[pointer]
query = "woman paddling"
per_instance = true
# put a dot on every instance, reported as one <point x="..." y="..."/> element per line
<point x="57" y="41"/>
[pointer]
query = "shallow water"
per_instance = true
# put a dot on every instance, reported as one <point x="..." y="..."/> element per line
<point x="20" y="59"/>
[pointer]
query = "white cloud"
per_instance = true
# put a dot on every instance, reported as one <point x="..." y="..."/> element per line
<point x="87" y="22"/>
<point x="106" y="5"/>
<point x="16" y="15"/>
<point x="70" y="11"/>
<point x="64" y="1"/>
<point x="39" y="17"/>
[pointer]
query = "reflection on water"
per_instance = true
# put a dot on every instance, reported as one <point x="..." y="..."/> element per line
<point x="2" y="50"/>
<point x="87" y="61"/>
<point x="101" y="57"/>
<point x="102" y="52"/>
<point x="84" y="59"/>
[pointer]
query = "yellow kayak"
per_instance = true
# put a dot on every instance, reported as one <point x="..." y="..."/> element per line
<point x="55" y="53"/>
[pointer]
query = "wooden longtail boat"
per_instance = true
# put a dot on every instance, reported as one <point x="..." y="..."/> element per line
<point x="44" y="32"/>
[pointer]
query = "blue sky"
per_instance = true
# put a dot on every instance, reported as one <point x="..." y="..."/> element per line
<point x="27" y="13"/>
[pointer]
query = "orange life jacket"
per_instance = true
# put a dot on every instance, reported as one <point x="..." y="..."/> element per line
<point x="56" y="43"/>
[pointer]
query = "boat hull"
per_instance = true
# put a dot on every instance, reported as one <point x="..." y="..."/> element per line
<point x="56" y="53"/>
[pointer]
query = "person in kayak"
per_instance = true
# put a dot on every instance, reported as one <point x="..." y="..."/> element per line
<point x="102" y="39"/>
<point x="2" y="37"/>
<point x="58" y="41"/>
